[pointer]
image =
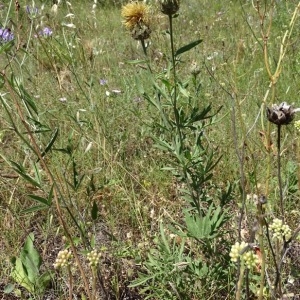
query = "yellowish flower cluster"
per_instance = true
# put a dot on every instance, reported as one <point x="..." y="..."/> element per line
<point x="280" y="229"/>
<point x="239" y="251"/>
<point x="93" y="258"/>
<point x="251" y="259"/>
<point x="236" y="250"/>
<point x="297" y="125"/>
<point x="63" y="259"/>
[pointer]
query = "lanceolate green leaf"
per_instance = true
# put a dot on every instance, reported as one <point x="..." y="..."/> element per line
<point x="94" y="211"/>
<point x="51" y="142"/>
<point x="31" y="259"/>
<point x="39" y="199"/>
<point x="21" y="171"/>
<point x="187" y="47"/>
<point x="34" y="209"/>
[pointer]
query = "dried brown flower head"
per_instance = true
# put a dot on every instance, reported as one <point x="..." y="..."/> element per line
<point x="140" y="32"/>
<point x="281" y="114"/>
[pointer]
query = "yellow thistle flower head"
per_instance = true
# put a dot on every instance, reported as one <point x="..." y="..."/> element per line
<point x="136" y="14"/>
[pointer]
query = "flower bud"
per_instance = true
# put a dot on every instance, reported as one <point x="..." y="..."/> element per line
<point x="169" y="7"/>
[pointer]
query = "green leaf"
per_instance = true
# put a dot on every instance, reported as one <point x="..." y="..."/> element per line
<point x="2" y="81"/>
<point x="39" y="199"/>
<point x="141" y="280"/>
<point x="184" y="91"/>
<point x="164" y="239"/>
<point x="6" y="47"/>
<point x="30" y="258"/>
<point x="134" y="62"/>
<point x="50" y="196"/>
<point x="8" y="288"/>
<point x="77" y="179"/>
<point x="22" y="93"/>
<point x="19" y="274"/>
<point x="34" y="208"/>
<point x="94" y="211"/>
<point x="21" y="171"/>
<point x="44" y="281"/>
<point x="51" y="142"/>
<point x="39" y="126"/>
<point x="187" y="47"/>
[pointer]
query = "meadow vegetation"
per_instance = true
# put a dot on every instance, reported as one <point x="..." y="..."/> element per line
<point x="149" y="149"/>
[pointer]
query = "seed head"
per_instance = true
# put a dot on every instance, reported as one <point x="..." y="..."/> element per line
<point x="282" y="114"/>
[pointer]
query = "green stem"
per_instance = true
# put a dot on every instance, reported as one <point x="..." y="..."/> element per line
<point x="94" y="284"/>
<point x="279" y="172"/>
<point x="263" y="258"/>
<point x="240" y="282"/>
<point x="176" y="114"/>
<point x="70" y="283"/>
<point x="145" y="53"/>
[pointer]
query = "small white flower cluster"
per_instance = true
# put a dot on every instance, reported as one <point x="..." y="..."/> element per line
<point x="239" y="251"/>
<point x="93" y="258"/>
<point x="280" y="229"/>
<point x="63" y="259"/>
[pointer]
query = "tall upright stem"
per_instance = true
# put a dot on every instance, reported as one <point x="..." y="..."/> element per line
<point x="176" y="114"/>
<point x="279" y="172"/>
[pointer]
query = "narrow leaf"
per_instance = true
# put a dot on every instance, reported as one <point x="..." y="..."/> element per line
<point x="21" y="171"/>
<point x="39" y="199"/>
<point x="34" y="208"/>
<point x="134" y="62"/>
<point x="51" y="142"/>
<point x="187" y="47"/>
<point x="94" y="211"/>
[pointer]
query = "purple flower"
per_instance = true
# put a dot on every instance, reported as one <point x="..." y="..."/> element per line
<point x="6" y="35"/>
<point x="103" y="81"/>
<point x="32" y="11"/>
<point x="46" y="32"/>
